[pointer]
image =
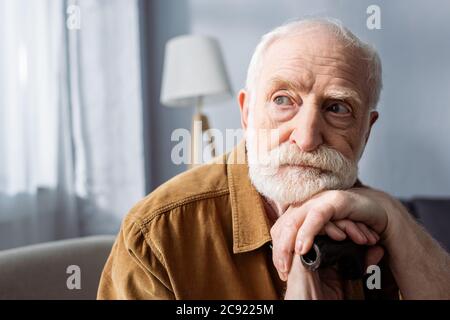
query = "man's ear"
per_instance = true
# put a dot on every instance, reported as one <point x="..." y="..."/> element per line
<point x="243" y="100"/>
<point x="373" y="117"/>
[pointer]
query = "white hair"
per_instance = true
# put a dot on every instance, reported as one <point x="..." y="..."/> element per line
<point x="373" y="79"/>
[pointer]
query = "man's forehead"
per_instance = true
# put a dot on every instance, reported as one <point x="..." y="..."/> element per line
<point x="339" y="91"/>
<point x="298" y="59"/>
<point x="304" y="78"/>
<point x="322" y="48"/>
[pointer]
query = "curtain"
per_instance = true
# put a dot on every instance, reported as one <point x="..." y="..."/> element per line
<point x="71" y="149"/>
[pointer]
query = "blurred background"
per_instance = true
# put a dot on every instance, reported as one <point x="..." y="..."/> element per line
<point x="83" y="135"/>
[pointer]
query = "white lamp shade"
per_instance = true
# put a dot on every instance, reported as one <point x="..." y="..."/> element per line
<point x="193" y="68"/>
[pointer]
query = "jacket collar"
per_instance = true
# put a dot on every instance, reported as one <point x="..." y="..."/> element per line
<point x="251" y="227"/>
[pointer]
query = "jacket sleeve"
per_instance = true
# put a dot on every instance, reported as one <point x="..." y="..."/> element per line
<point x="134" y="270"/>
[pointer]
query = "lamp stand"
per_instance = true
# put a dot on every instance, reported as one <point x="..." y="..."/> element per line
<point x="200" y="124"/>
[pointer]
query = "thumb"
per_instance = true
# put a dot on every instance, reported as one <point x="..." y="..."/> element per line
<point x="374" y="255"/>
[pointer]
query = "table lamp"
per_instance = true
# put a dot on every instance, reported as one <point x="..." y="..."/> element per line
<point x="194" y="74"/>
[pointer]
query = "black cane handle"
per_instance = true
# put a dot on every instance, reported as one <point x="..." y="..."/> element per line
<point x="347" y="256"/>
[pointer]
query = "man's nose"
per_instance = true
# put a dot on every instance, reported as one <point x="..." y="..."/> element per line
<point x="307" y="129"/>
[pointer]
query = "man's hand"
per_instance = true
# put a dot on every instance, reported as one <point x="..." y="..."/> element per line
<point x="358" y="213"/>
<point x="303" y="284"/>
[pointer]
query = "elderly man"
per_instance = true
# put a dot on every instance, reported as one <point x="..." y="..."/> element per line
<point x="235" y="229"/>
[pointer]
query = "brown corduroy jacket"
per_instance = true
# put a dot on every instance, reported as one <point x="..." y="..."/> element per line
<point x="202" y="235"/>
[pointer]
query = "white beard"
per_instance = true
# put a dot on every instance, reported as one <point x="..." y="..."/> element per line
<point x="293" y="184"/>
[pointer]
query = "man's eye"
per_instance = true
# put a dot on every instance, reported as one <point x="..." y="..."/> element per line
<point x="282" y="100"/>
<point x="338" y="108"/>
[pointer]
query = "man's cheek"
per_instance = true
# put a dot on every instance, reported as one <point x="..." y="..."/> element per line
<point x="270" y="135"/>
<point x="345" y="144"/>
<point x="280" y="135"/>
<point x="266" y="139"/>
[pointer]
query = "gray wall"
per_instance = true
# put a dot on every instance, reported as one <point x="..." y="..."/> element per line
<point x="409" y="150"/>
<point x="160" y="20"/>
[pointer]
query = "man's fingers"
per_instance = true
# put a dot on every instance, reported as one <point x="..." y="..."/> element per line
<point x="283" y="249"/>
<point x="303" y="284"/>
<point x="296" y="228"/>
<point x="284" y="234"/>
<point x="374" y="255"/>
<point x="282" y="262"/>
<point x="283" y="276"/>
<point x="375" y="234"/>
<point x="358" y="232"/>
<point x="334" y="232"/>
<point x="314" y="222"/>
<point x="352" y="230"/>
<point x="364" y="229"/>
<point x="330" y="229"/>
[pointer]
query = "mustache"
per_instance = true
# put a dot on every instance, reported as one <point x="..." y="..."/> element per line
<point x="324" y="157"/>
